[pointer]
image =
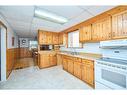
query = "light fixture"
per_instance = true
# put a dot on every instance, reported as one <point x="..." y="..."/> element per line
<point x="49" y="16"/>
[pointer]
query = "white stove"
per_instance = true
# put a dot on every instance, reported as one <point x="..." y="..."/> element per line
<point x="110" y="73"/>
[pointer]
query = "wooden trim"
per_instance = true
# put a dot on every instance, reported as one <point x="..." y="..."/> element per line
<point x="3" y="24"/>
<point x="98" y="17"/>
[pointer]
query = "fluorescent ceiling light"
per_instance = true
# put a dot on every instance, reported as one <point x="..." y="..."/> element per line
<point x="50" y="16"/>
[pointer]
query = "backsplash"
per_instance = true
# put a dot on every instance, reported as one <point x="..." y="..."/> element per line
<point x="94" y="48"/>
<point x="87" y="48"/>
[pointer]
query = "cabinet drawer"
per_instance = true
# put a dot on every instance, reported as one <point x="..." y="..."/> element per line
<point x="87" y="61"/>
<point x="71" y="58"/>
<point x="78" y="59"/>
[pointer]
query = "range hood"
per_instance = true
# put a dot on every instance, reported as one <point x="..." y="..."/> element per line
<point x="121" y="43"/>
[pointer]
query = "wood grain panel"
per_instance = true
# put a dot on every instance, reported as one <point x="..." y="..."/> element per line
<point x="12" y="56"/>
<point x="25" y="53"/>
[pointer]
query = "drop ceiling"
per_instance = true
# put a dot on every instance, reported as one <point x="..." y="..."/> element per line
<point x="23" y="22"/>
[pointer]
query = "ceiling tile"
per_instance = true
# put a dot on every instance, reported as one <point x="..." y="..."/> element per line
<point x="22" y="19"/>
<point x="95" y="10"/>
<point x="65" y="11"/>
<point x="82" y="17"/>
<point x="23" y="13"/>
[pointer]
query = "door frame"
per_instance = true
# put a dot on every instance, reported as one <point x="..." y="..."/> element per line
<point x="2" y="24"/>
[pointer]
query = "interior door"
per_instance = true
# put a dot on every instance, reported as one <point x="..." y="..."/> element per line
<point x="0" y="53"/>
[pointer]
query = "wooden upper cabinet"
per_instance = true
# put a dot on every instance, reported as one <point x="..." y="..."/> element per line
<point x="55" y="38"/>
<point x="49" y="37"/>
<point x="42" y="37"/>
<point x="61" y="38"/>
<point x="85" y="33"/>
<point x="119" y="25"/>
<point x="101" y="30"/>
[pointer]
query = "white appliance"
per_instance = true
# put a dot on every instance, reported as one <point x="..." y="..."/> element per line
<point x="110" y="74"/>
<point x="121" y="43"/>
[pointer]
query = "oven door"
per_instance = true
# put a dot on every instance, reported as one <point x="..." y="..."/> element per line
<point x="110" y="77"/>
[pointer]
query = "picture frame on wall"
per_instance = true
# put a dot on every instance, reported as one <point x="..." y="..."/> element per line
<point x="23" y="42"/>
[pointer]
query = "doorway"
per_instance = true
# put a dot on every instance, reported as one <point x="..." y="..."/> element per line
<point x="0" y="54"/>
<point x="3" y="44"/>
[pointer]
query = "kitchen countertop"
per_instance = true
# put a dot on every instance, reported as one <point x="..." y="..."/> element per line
<point x="46" y="51"/>
<point x="88" y="56"/>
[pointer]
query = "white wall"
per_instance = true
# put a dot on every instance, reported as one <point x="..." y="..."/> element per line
<point x="87" y="48"/>
<point x="10" y="34"/>
<point x="3" y="53"/>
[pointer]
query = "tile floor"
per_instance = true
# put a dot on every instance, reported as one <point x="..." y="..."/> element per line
<point x="49" y="78"/>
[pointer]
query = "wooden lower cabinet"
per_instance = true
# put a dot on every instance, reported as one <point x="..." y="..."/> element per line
<point x="77" y="69"/>
<point x="44" y="61"/>
<point x="81" y="68"/>
<point x="70" y="66"/>
<point x="47" y="60"/>
<point x="88" y="72"/>
<point x="65" y="64"/>
<point x="52" y="59"/>
<point x="59" y="59"/>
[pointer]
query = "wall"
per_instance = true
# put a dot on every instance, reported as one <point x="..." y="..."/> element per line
<point x="7" y="66"/>
<point x="87" y="48"/>
<point x="10" y="34"/>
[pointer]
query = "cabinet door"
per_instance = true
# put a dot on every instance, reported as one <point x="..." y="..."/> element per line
<point x="88" y="73"/>
<point x="77" y="69"/>
<point x="60" y="38"/>
<point x="52" y="59"/>
<point x="81" y="34"/>
<point x="44" y="61"/>
<point x="119" y="25"/>
<point x="55" y="38"/>
<point x="101" y="30"/>
<point x="70" y="66"/>
<point x="40" y="37"/>
<point x="124" y="33"/>
<point x="65" y="66"/>
<point x="49" y="38"/>
<point x="44" y="38"/>
<point x="85" y="33"/>
<point x="59" y="59"/>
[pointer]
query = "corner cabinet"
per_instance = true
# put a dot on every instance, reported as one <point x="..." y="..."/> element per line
<point x="101" y="30"/>
<point x="85" y="33"/>
<point x="119" y="25"/>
